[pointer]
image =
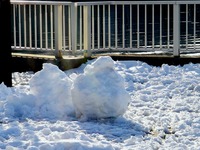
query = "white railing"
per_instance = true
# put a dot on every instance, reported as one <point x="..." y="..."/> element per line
<point x="42" y="25"/>
<point x="88" y="27"/>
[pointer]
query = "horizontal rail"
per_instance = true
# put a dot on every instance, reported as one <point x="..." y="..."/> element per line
<point x="26" y="2"/>
<point x="102" y="2"/>
<point x="135" y="2"/>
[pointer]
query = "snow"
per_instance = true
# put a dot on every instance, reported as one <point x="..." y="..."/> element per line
<point x="100" y="91"/>
<point x="159" y="107"/>
<point x="51" y="100"/>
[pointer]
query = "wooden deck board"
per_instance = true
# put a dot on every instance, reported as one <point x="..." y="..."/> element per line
<point x="35" y="61"/>
<point x="24" y="55"/>
<point x="127" y="55"/>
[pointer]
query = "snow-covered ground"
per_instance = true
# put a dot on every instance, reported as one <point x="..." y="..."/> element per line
<point x="52" y="109"/>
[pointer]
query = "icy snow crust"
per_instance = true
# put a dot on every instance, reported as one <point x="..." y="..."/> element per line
<point x="163" y="112"/>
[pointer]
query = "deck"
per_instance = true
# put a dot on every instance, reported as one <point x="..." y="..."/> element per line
<point x="69" y="33"/>
<point x="33" y="62"/>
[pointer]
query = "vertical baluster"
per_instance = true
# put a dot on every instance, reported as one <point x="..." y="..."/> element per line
<point x="64" y="32"/>
<point x="51" y="14"/>
<point x="14" y="23"/>
<point x="25" y="26"/>
<point x="41" y="27"/>
<point x="116" y="26"/>
<point x="70" y="15"/>
<point x="194" y="26"/>
<point x="168" y="26"/>
<point x="98" y="26"/>
<point x="131" y="27"/>
<point x="20" y="32"/>
<point x="93" y="34"/>
<point x="46" y="28"/>
<point x="123" y="27"/>
<point x="153" y="30"/>
<point x="30" y="28"/>
<point x="109" y="31"/>
<point x="35" y="20"/>
<point x="186" y="27"/>
<point x="104" y="30"/>
<point x="145" y="29"/>
<point x="160" y="26"/>
<point x="138" y="26"/>
<point x="81" y="20"/>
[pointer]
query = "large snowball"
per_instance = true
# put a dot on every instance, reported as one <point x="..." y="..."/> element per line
<point x="52" y="88"/>
<point x="100" y="92"/>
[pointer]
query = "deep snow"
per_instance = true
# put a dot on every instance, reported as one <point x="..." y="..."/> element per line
<point x="38" y="111"/>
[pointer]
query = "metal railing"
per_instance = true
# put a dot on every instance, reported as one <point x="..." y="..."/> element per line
<point x="88" y="27"/>
<point x="41" y="25"/>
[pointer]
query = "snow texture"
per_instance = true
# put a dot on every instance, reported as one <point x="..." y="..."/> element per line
<point x="38" y="112"/>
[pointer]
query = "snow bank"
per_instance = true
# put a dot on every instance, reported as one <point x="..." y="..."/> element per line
<point x="100" y="92"/>
<point x="163" y="114"/>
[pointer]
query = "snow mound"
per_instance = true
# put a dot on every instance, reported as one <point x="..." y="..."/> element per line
<point x="53" y="99"/>
<point x="100" y="91"/>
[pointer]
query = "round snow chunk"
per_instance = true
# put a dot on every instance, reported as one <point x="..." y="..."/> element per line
<point x="52" y="88"/>
<point x="100" y="91"/>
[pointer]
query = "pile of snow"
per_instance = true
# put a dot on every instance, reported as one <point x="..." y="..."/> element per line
<point x="50" y="98"/>
<point x="45" y="99"/>
<point x="100" y="91"/>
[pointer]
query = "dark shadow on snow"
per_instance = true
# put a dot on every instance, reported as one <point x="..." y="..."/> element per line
<point x="115" y="129"/>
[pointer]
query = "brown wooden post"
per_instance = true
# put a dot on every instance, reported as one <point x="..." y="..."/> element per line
<point x="5" y="43"/>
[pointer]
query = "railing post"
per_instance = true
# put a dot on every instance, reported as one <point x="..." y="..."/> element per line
<point x="73" y="15"/>
<point x="87" y="31"/>
<point x="176" y="28"/>
<point x="58" y="31"/>
<point x="5" y="43"/>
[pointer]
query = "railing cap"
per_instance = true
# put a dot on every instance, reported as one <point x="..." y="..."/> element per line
<point x="32" y="2"/>
<point x="138" y="2"/>
<point x="81" y="3"/>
